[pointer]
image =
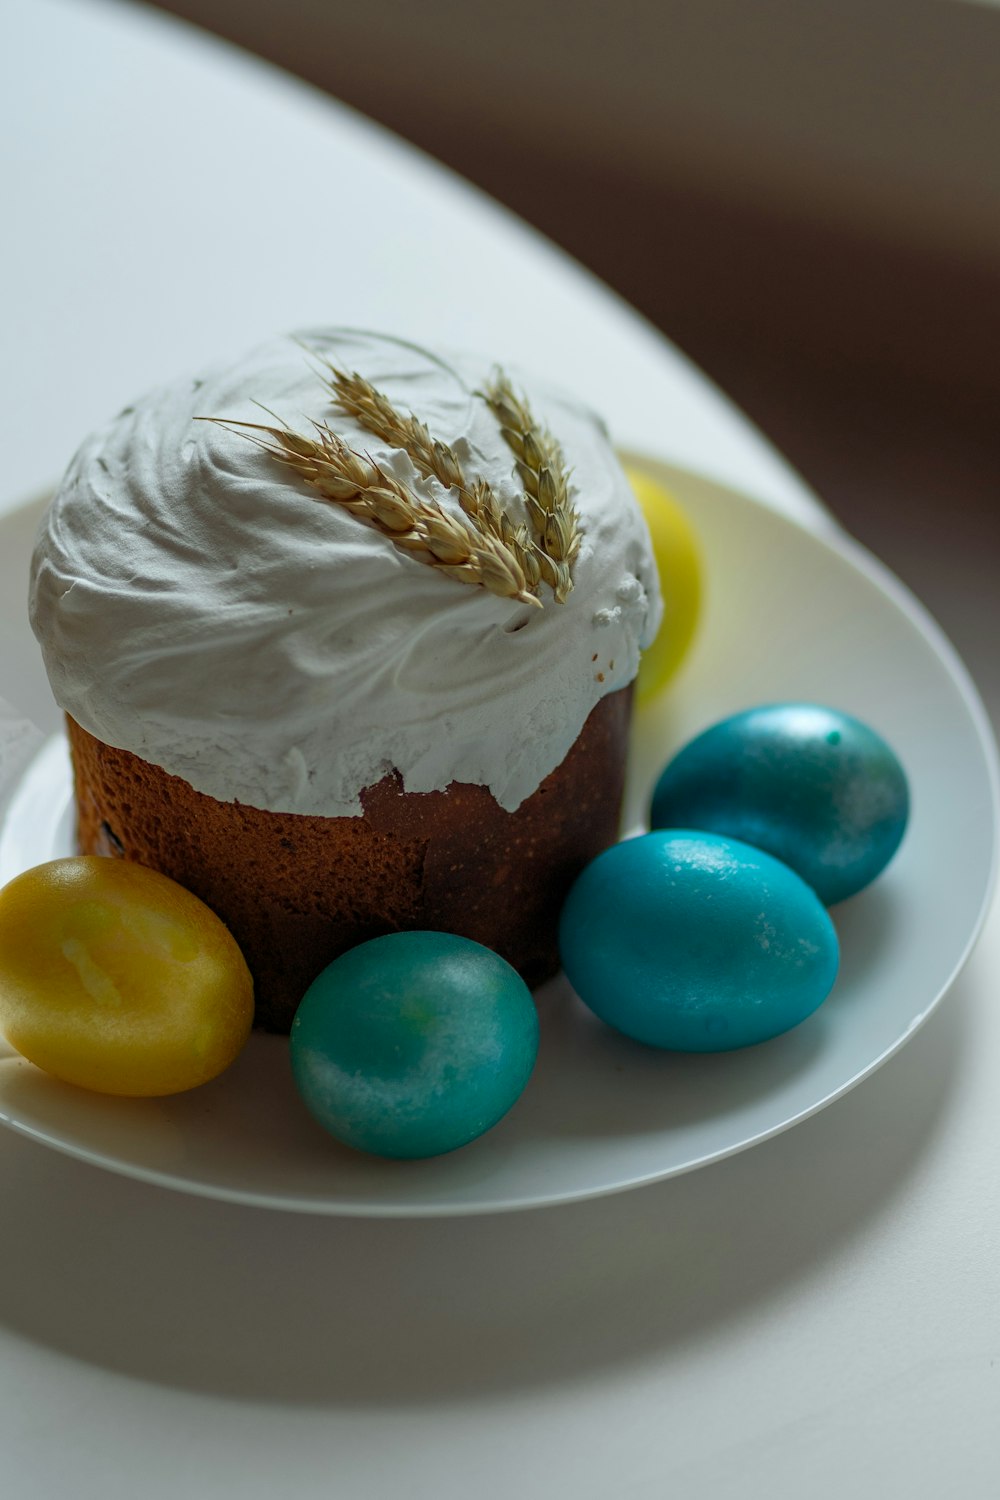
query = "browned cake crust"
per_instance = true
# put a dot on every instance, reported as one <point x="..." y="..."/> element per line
<point x="296" y="891"/>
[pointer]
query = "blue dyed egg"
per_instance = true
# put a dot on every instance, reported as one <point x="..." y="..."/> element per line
<point x="814" y="787"/>
<point x="696" y="943"/>
<point x="414" y="1044"/>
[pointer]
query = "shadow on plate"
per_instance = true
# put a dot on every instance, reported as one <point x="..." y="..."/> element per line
<point x="607" y="1085"/>
<point x="868" y="926"/>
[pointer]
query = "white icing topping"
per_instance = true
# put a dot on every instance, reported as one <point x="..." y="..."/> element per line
<point x="198" y="605"/>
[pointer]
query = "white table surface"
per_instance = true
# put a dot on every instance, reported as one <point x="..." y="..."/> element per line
<point x="819" y="1316"/>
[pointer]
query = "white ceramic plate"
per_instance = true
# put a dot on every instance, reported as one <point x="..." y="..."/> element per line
<point x="790" y="614"/>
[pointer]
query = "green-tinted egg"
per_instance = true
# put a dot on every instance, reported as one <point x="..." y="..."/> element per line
<point x="816" y="788"/>
<point x="414" y="1044"/>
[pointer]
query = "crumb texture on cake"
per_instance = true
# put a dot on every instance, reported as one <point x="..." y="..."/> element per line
<point x="199" y="607"/>
<point x="296" y="890"/>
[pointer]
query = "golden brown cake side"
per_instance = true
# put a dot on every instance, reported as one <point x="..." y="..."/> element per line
<point x="298" y="890"/>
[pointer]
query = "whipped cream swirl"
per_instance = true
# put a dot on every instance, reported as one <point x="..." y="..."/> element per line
<point x="198" y="604"/>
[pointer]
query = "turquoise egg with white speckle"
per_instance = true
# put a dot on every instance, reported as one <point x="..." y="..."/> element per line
<point x="413" y="1044"/>
<point x="815" y="787"/>
<point x="696" y="943"/>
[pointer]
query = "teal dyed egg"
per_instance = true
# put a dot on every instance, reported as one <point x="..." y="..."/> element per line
<point x="696" y="943"/>
<point x="413" y="1044"/>
<point x="814" y="787"/>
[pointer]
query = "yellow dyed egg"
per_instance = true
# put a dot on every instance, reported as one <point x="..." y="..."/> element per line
<point x="678" y="561"/>
<point x="117" y="979"/>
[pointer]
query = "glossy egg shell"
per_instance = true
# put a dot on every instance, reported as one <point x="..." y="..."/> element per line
<point x="677" y="554"/>
<point x="116" y="979"/>
<point x="413" y="1044"/>
<point x="816" y="788"/>
<point x="696" y="943"/>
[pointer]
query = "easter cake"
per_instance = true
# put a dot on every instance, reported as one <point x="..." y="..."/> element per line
<point x="345" y="634"/>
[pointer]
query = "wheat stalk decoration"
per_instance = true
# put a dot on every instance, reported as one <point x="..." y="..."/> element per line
<point x="358" y="398"/>
<point x="485" y="546"/>
<point x="419" y="527"/>
<point x="545" y="477"/>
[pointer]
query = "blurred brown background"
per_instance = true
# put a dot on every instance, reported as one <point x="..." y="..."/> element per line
<point x="804" y="195"/>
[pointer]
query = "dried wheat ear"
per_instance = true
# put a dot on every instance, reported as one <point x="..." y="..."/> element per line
<point x="484" y="547"/>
